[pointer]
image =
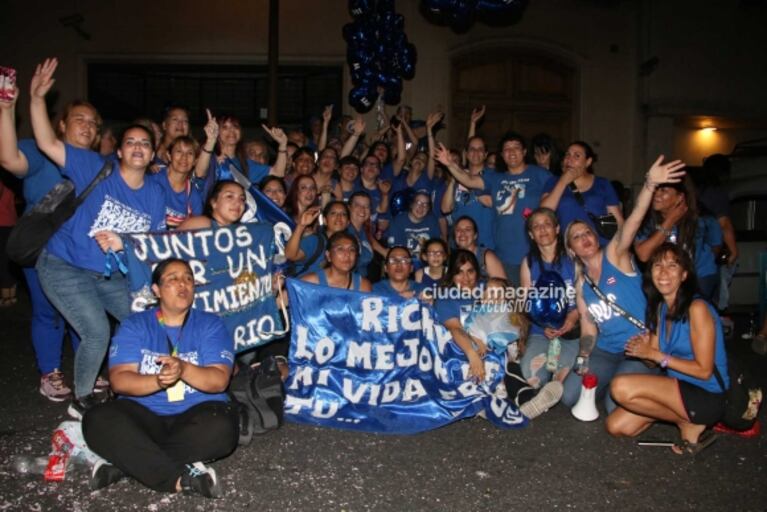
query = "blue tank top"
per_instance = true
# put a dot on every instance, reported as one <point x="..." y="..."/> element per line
<point x="677" y="343"/>
<point x="626" y="291"/>
<point x="427" y="281"/>
<point x="355" y="284"/>
<point x="565" y="268"/>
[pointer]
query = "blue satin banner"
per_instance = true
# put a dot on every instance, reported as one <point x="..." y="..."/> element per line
<point x="232" y="271"/>
<point x="381" y="364"/>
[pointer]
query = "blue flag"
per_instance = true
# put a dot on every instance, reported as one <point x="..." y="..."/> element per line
<point x="232" y="269"/>
<point x="381" y="364"/>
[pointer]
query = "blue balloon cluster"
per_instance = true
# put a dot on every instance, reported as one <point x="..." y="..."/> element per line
<point x="548" y="307"/>
<point x="379" y="54"/>
<point x="460" y="14"/>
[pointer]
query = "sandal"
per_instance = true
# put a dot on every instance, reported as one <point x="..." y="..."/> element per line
<point x="686" y="448"/>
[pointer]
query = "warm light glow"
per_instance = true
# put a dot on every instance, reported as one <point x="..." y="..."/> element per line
<point x="708" y="129"/>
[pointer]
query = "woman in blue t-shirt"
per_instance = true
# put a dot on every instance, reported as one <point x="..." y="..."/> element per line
<point x="182" y="199"/>
<point x="547" y="253"/>
<point x="580" y="195"/>
<point x="675" y="218"/>
<point x="607" y="280"/>
<point x="170" y="367"/>
<point x="687" y="342"/>
<point x="225" y="206"/>
<point x="75" y="268"/>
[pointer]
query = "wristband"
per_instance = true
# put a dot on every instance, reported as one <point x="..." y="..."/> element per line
<point x="208" y="152"/>
<point x="664" y="362"/>
<point x="282" y="151"/>
<point x="663" y="230"/>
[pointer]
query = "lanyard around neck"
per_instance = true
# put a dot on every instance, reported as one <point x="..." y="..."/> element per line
<point x="172" y="347"/>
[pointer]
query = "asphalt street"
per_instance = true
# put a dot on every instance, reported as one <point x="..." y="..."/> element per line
<point x="558" y="463"/>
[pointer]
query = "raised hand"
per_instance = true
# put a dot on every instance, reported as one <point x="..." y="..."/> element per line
<point x="384" y="186"/>
<point x="277" y="134"/>
<point x="670" y="172"/>
<point x="309" y="216"/>
<point x="9" y="93"/>
<point x="433" y="118"/>
<point x="327" y="114"/>
<point x="43" y="80"/>
<point x="442" y="155"/>
<point x="358" y="128"/>
<point x="211" y="127"/>
<point x="477" y="114"/>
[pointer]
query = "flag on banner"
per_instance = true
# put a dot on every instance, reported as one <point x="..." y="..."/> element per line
<point x="381" y="364"/>
<point x="232" y="269"/>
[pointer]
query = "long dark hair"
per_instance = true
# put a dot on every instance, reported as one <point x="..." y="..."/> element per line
<point x="291" y="202"/>
<point x="684" y="296"/>
<point x="213" y="195"/>
<point x="688" y="225"/>
<point x="239" y="151"/>
<point x="535" y="252"/>
<point x="457" y="260"/>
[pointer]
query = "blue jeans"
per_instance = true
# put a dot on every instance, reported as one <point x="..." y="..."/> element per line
<point x="534" y="361"/>
<point x="605" y="366"/>
<point x="47" y="326"/>
<point x="84" y="298"/>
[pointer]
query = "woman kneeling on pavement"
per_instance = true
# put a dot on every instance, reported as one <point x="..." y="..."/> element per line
<point x="170" y="366"/>
<point x="686" y="341"/>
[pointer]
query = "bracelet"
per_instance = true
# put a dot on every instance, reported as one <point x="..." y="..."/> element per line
<point x="208" y="152"/>
<point x="282" y="151"/>
<point x="663" y="230"/>
<point x="664" y="362"/>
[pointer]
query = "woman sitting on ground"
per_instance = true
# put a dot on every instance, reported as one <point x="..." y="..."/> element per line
<point x="225" y="206"/>
<point x="341" y="257"/>
<point x="687" y="342"/>
<point x="170" y="366"/>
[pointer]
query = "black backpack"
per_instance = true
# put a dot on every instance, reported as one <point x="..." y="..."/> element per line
<point x="743" y="398"/>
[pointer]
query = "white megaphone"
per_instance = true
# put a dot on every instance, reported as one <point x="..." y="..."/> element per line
<point x="586" y="408"/>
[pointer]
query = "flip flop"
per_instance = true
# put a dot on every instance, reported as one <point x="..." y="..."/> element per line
<point x="688" y="449"/>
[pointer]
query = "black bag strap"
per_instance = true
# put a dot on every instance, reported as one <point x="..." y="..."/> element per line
<point x="318" y="250"/>
<point x="615" y="307"/>
<point x="105" y="171"/>
<point x="719" y="378"/>
<point x="579" y="198"/>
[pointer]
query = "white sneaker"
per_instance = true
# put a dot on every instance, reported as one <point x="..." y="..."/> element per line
<point x="547" y="397"/>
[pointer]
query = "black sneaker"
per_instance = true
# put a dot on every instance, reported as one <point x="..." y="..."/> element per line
<point x="78" y="406"/>
<point x="104" y="474"/>
<point x="199" y="479"/>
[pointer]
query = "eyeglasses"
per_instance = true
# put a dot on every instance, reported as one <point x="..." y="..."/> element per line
<point x="435" y="253"/>
<point x="398" y="261"/>
<point x="421" y="203"/>
<point x="337" y="214"/>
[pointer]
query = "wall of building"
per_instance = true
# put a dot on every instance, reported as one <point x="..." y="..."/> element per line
<point x="703" y="48"/>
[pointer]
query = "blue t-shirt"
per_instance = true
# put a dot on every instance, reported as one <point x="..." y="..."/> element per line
<point x="403" y="231"/>
<point x="308" y="245"/>
<point x="375" y="200"/>
<point x="445" y="309"/>
<point x="467" y="204"/>
<point x="565" y="267"/>
<point x="708" y="234"/>
<point x="512" y="194"/>
<point x="677" y="343"/>
<point x="384" y="287"/>
<point x="111" y="206"/>
<point x="422" y="184"/>
<point x="366" y="251"/>
<point x="595" y="201"/>
<point x="204" y="341"/>
<point x="42" y="173"/>
<point x="626" y="291"/>
<point x="178" y="205"/>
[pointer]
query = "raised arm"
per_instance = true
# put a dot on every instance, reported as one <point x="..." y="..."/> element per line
<point x="11" y="159"/>
<point x="293" y="250"/>
<point x="442" y="154"/>
<point x="658" y="174"/>
<point x="327" y="115"/>
<point x="476" y="115"/>
<point x="202" y="164"/>
<point x="42" y="81"/>
<point x="281" y="163"/>
<point x="399" y="162"/>
<point x="551" y="199"/>
<point x="358" y="128"/>
<point x="431" y="121"/>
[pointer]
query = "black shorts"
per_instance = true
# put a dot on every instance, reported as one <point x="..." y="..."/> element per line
<point x="703" y="407"/>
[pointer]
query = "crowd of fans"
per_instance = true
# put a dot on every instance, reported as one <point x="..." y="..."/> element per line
<point x="388" y="210"/>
